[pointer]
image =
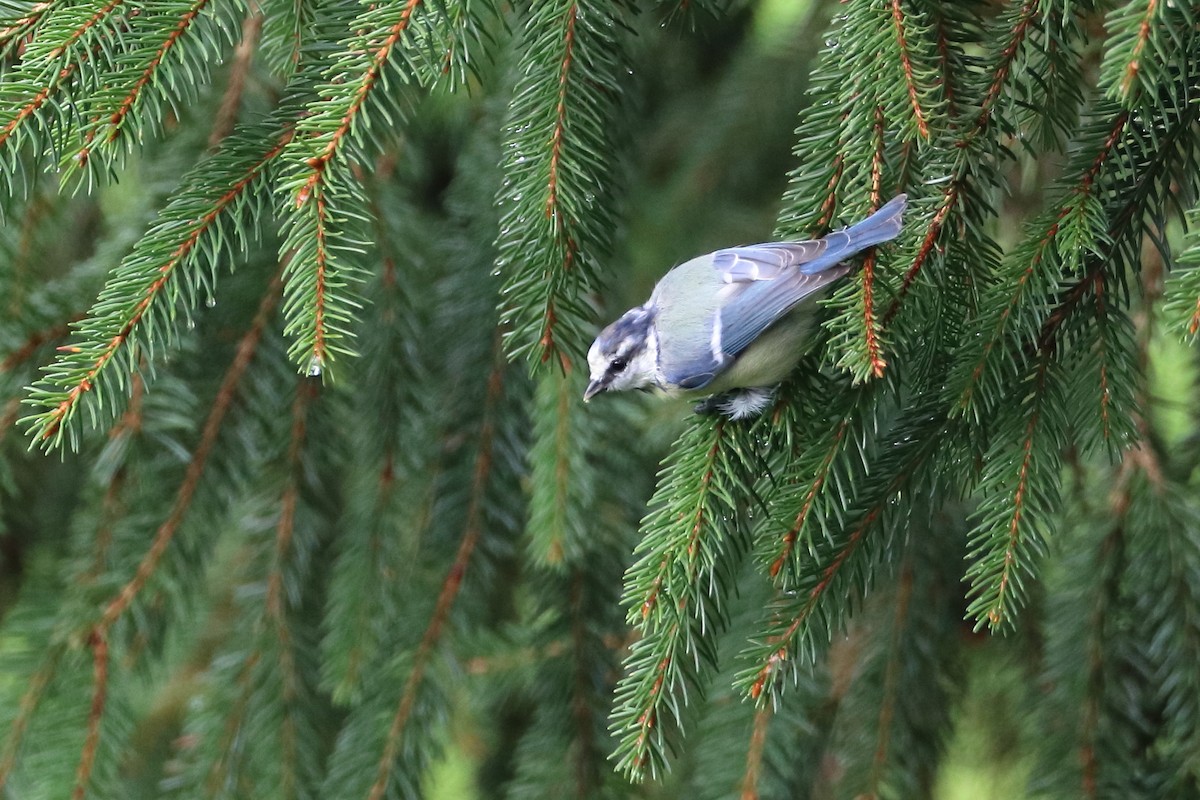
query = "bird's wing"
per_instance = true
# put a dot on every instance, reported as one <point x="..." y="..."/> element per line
<point x="750" y="307"/>
<point x="764" y="262"/>
<point x="736" y="314"/>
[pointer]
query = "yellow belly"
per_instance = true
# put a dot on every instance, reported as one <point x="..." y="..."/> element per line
<point x="768" y="360"/>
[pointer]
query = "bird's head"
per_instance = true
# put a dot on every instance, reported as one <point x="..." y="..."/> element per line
<point x="624" y="355"/>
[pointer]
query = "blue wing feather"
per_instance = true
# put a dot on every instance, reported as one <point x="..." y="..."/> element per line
<point x="763" y="282"/>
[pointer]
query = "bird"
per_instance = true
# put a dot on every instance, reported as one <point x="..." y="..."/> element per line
<point x="729" y="326"/>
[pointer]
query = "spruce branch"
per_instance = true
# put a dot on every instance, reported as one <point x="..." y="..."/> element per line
<point x="819" y="591"/>
<point x="70" y="47"/>
<point x="87" y="759"/>
<point x="754" y="753"/>
<point x="675" y="591"/>
<point x="35" y="690"/>
<point x="560" y="180"/>
<point x="169" y="267"/>
<point x="816" y="464"/>
<point x="1019" y="491"/>
<point x="15" y="30"/>
<point x="563" y="494"/>
<point x="322" y="201"/>
<point x="385" y="772"/>
<point x="231" y="99"/>
<point x="910" y="80"/>
<point x="226" y="393"/>
<point x="277" y="600"/>
<point x="174" y="48"/>
<point x="1056" y="241"/>
<point x="1182" y="292"/>
<point x="1146" y="41"/>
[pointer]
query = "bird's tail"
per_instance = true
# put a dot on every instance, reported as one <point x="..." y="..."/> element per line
<point x="880" y="227"/>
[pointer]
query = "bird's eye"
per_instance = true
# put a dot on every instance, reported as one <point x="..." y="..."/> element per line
<point x="619" y="363"/>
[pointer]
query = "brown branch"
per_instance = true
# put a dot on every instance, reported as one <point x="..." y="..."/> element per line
<point x="891" y="678"/>
<point x="195" y="469"/>
<point x="754" y="754"/>
<point x="147" y="75"/>
<point x="909" y="79"/>
<point x="87" y="759"/>
<point x="558" y="216"/>
<point x="367" y="82"/>
<point x="35" y="341"/>
<point x="473" y="529"/>
<point x="166" y="271"/>
<point x="1131" y="69"/>
<point x="231" y="100"/>
<point x="789" y="538"/>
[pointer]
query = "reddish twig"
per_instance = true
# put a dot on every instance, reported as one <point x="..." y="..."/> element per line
<point x="870" y="322"/>
<point x="195" y="469"/>
<point x="243" y="56"/>
<point x="789" y="538"/>
<point x="368" y="80"/>
<point x="909" y="79"/>
<point x="1131" y="69"/>
<point x="36" y="341"/>
<point x="150" y="294"/>
<point x="87" y="759"/>
<point x="561" y="222"/>
<point x="754" y="754"/>
<point x="450" y="587"/>
<point x="126" y="104"/>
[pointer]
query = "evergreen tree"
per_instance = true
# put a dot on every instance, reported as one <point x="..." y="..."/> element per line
<point x="298" y="491"/>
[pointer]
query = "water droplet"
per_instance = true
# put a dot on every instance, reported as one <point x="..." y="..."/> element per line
<point x="211" y="301"/>
<point x="315" y="365"/>
<point x="191" y="324"/>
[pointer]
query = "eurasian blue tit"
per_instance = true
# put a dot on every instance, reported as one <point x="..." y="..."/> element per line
<point x="732" y="324"/>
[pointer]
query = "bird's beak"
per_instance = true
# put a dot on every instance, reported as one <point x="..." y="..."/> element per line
<point x="594" y="388"/>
